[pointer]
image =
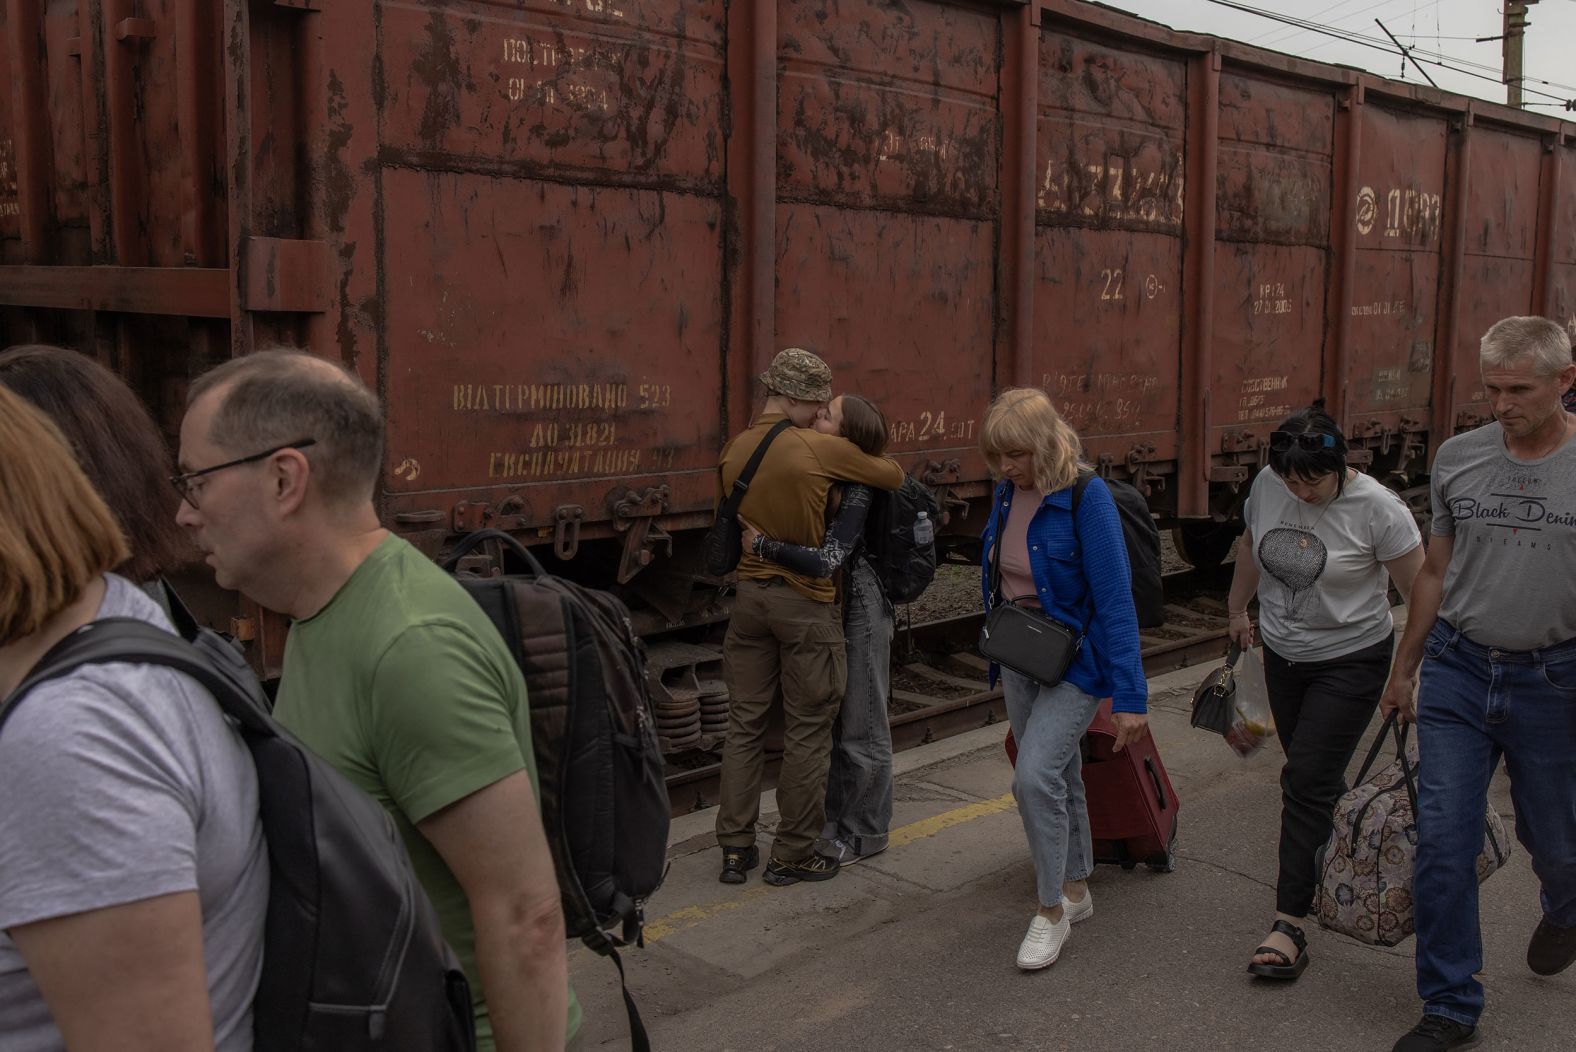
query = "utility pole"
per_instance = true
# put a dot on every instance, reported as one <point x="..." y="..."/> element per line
<point x="1515" y="33"/>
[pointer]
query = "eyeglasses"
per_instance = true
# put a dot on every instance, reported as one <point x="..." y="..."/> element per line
<point x="183" y="483"/>
<point x="1312" y="441"/>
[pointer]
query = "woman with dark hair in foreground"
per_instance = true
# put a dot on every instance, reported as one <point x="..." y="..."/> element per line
<point x="117" y="445"/>
<point x="1322" y="544"/>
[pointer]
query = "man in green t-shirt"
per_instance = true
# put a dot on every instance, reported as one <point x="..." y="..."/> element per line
<point x="391" y="671"/>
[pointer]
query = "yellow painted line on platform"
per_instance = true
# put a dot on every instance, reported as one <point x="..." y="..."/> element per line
<point x="692" y="916"/>
<point x="929" y="827"/>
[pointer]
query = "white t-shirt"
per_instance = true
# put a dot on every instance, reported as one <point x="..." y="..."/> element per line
<point x="1322" y="586"/>
<point x="120" y="783"/>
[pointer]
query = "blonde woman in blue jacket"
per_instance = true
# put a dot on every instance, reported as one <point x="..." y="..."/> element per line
<point x="1078" y="574"/>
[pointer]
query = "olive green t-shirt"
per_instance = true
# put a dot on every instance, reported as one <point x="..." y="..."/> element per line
<point x="404" y="685"/>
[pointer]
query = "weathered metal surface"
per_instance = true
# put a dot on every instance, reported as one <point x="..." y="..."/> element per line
<point x="1108" y="288"/>
<point x="1272" y="226"/>
<point x="562" y="236"/>
<point x="1396" y="224"/>
<point x="1274" y="170"/>
<point x="887" y="173"/>
<point x="627" y="87"/>
<point x="1111" y="132"/>
<point x="1562" y="263"/>
<point x="1501" y="210"/>
<point x="888" y="105"/>
<point x="619" y="381"/>
<point x="889" y="301"/>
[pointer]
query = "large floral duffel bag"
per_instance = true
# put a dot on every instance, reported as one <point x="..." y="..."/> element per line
<point x="1365" y="870"/>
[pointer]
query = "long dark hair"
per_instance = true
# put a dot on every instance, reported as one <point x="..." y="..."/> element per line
<point x="864" y="425"/>
<point x="116" y="443"/>
<point x="1310" y="465"/>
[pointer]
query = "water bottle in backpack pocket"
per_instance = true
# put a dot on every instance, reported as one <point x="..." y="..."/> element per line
<point x="900" y="539"/>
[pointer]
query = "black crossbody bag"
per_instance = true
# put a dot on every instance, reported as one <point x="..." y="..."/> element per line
<point x="724" y="545"/>
<point x="1025" y="639"/>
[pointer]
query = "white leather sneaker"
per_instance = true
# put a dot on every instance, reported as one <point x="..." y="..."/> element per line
<point x="1083" y="909"/>
<point x="1043" y="943"/>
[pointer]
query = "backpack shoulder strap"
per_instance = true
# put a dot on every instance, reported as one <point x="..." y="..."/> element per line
<point x="125" y="639"/>
<point x="1081" y="484"/>
<point x="1084" y="478"/>
<point x="741" y="485"/>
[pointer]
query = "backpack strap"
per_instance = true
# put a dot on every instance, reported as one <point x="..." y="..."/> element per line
<point x="124" y="639"/>
<point x="741" y="485"/>
<point x="1079" y="485"/>
<point x="639" y="1040"/>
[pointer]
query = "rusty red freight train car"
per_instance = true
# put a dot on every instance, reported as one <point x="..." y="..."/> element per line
<point x="561" y="237"/>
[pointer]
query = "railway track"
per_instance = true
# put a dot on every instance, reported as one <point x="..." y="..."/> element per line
<point x="940" y="684"/>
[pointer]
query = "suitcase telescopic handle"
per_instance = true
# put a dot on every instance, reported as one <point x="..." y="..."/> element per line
<point x="472" y="541"/>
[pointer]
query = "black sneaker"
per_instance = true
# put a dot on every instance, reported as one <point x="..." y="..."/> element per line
<point x="1552" y="948"/>
<point x="1435" y="1033"/>
<point x="737" y="863"/>
<point x="816" y="867"/>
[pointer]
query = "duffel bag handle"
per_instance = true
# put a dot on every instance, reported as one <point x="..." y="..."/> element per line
<point x="472" y="541"/>
<point x="1396" y="731"/>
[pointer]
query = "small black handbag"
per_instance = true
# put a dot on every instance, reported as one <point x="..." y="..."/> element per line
<point x="1022" y="638"/>
<point x="1214" y="701"/>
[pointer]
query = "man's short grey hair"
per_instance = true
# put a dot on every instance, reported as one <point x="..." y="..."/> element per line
<point x="1512" y="340"/>
<point x="283" y="395"/>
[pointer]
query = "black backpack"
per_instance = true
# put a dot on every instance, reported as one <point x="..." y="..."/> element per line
<point x="1142" y="537"/>
<point x="604" y="796"/>
<point x="904" y="566"/>
<point x="353" y="958"/>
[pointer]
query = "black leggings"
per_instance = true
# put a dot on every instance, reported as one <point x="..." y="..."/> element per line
<point x="1321" y="710"/>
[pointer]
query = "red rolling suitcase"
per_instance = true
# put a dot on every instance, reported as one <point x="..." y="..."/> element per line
<point x="1132" y="807"/>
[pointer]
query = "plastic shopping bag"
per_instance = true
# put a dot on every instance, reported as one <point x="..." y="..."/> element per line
<point x="1252" y="723"/>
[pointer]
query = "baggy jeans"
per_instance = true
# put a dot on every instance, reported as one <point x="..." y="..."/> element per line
<point x="1321" y="709"/>
<point x="1476" y="704"/>
<point x="859" y="789"/>
<point x="779" y="641"/>
<point x="1049" y="724"/>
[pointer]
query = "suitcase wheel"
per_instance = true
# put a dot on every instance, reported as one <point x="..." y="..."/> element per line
<point x="1170" y="863"/>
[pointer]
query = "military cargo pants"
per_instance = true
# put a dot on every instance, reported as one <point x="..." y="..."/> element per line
<point x="780" y="643"/>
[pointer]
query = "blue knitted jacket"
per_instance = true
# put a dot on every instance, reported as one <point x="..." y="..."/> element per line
<point x="1082" y="583"/>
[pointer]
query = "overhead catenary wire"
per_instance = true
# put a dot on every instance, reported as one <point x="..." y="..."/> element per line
<point x="1440" y="59"/>
<point x="1432" y="58"/>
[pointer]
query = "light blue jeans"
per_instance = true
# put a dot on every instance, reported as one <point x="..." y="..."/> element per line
<point x="1049" y="723"/>
<point x="859" y="786"/>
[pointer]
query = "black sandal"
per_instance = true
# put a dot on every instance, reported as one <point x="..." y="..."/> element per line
<point x="737" y="863"/>
<point x="1288" y="969"/>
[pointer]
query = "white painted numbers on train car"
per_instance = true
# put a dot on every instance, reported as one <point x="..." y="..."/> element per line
<point x="1113" y="189"/>
<point x="1415" y="214"/>
<point x="1253" y="401"/>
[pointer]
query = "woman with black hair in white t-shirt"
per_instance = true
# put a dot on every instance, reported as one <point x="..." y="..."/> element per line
<point x="1323" y="542"/>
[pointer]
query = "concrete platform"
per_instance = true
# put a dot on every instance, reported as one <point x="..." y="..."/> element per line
<point x="914" y="949"/>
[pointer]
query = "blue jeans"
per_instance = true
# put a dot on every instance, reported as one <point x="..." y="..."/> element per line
<point x="1476" y="704"/>
<point x="1049" y="723"/>
<point x="859" y="787"/>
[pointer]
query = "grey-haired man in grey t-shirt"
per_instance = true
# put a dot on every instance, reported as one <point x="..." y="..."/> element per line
<point x="1493" y="626"/>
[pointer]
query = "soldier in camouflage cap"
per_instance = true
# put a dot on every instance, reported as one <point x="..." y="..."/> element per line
<point x="799" y="374"/>
<point x="785" y="641"/>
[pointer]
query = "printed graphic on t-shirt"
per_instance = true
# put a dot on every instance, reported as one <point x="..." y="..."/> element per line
<point x="1519" y="516"/>
<point x="1296" y="558"/>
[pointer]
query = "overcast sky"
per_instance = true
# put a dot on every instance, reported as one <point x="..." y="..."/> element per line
<point x="1430" y="25"/>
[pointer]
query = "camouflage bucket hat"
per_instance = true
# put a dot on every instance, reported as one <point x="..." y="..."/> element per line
<point x="799" y="374"/>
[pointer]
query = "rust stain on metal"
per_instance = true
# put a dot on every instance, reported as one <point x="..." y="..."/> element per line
<point x="573" y="226"/>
